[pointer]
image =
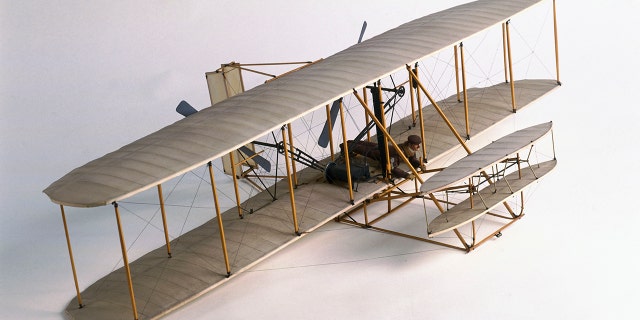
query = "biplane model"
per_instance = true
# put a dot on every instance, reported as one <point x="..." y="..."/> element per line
<point x="306" y="172"/>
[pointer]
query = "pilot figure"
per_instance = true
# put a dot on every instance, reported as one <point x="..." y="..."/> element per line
<point x="409" y="148"/>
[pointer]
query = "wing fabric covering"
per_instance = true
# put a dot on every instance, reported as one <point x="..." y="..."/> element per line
<point x="217" y="130"/>
<point x="485" y="157"/>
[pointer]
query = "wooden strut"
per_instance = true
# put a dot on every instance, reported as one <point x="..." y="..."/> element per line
<point x="235" y="183"/>
<point x="291" y="151"/>
<point x="125" y="260"/>
<point x="443" y="116"/>
<point x="455" y="58"/>
<point x="73" y="265"/>
<point x="439" y="110"/>
<point x="388" y="136"/>
<point x="464" y="93"/>
<point x="383" y="124"/>
<point x="369" y="224"/>
<point x="289" y="180"/>
<point x="504" y="54"/>
<point x="164" y="220"/>
<point x="513" y="216"/>
<point x="467" y="247"/>
<point x="346" y="153"/>
<point x="420" y="114"/>
<point x="219" y="218"/>
<point x="555" y="36"/>
<point x="366" y="115"/>
<point x="412" y="98"/>
<point x="513" y="90"/>
<point x="355" y="223"/>
<point x="392" y="210"/>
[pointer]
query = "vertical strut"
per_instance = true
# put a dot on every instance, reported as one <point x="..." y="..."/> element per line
<point x="73" y="265"/>
<point x="555" y="36"/>
<point x="164" y="220"/>
<point x="384" y="140"/>
<point x="513" y="90"/>
<point x="235" y="183"/>
<point x="346" y="152"/>
<point x="455" y="57"/>
<point x="125" y="260"/>
<point x="464" y="93"/>
<point x="291" y="196"/>
<point x="420" y="114"/>
<point x="219" y="218"/>
<point x="440" y="112"/>
<point x="292" y="151"/>
<point x="504" y="53"/>
<point x="412" y="97"/>
<point x="388" y="136"/>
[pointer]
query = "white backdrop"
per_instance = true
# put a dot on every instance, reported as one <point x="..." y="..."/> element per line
<point x="80" y="79"/>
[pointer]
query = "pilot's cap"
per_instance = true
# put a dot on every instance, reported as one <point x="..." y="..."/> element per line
<point x="413" y="139"/>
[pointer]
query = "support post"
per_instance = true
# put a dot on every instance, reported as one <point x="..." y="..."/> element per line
<point x="464" y="93"/>
<point x="235" y="184"/>
<point x="555" y="36"/>
<point x="412" y="97"/>
<point x="388" y="136"/>
<point x="219" y="218"/>
<point x="420" y="114"/>
<point x="164" y="220"/>
<point x="383" y="126"/>
<point x="346" y="152"/>
<point x="504" y="53"/>
<point x="73" y="265"/>
<point x="291" y="152"/>
<point x="125" y="260"/>
<point x="513" y="89"/>
<point x="366" y="115"/>
<point x="291" y="196"/>
<point x="442" y="115"/>
<point x="455" y="58"/>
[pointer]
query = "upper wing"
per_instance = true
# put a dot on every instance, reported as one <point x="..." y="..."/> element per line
<point x="213" y="132"/>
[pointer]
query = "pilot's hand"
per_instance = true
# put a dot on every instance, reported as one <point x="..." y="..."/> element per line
<point x="410" y="176"/>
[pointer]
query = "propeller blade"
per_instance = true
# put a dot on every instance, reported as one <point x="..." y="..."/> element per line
<point x="262" y="162"/>
<point x="364" y="27"/>
<point x="185" y="109"/>
<point x="323" y="140"/>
